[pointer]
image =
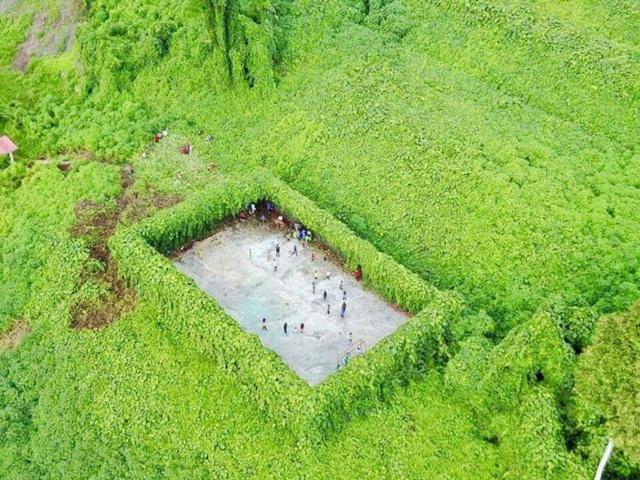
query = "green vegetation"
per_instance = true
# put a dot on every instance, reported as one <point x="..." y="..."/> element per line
<point x="607" y="385"/>
<point x="394" y="282"/>
<point x="482" y="159"/>
<point x="280" y="395"/>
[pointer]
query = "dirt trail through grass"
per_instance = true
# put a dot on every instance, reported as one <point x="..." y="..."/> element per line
<point x="95" y="224"/>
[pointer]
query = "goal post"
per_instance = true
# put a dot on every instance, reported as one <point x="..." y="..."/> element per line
<point x="604" y="460"/>
<point x="358" y="348"/>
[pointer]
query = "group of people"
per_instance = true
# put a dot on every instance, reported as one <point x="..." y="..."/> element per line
<point x="252" y="209"/>
<point x="343" y="307"/>
<point x="303" y="234"/>
<point x="285" y="326"/>
<point x="299" y="232"/>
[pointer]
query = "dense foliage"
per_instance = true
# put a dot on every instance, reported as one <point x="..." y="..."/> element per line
<point x="607" y="386"/>
<point x="482" y="159"/>
<point x="312" y="413"/>
<point x="397" y="284"/>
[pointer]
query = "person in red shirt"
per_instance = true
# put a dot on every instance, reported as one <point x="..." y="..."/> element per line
<point x="358" y="273"/>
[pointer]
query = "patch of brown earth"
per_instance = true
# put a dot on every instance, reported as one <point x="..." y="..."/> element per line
<point x="95" y="224"/>
<point x="14" y="336"/>
<point x="64" y="167"/>
<point x="141" y="206"/>
<point x="118" y="300"/>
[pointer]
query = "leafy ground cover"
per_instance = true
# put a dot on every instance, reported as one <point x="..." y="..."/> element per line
<point x="615" y="20"/>
<point x="488" y="146"/>
<point x="112" y="401"/>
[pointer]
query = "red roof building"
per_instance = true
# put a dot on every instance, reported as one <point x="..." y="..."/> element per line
<point x="7" y="146"/>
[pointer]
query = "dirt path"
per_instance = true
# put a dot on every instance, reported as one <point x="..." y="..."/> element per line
<point x="95" y="224"/>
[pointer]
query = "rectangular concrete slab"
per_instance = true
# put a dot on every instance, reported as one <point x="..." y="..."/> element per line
<point x="238" y="267"/>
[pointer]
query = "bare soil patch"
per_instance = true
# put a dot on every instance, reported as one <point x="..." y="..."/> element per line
<point x="14" y="336"/>
<point x="95" y="224"/>
<point x="141" y="206"/>
<point x="118" y="300"/>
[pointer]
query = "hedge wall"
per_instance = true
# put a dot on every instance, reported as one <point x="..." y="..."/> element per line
<point x="190" y="313"/>
<point x="187" y="221"/>
<point x="422" y="343"/>
<point x="279" y="393"/>
<point x="393" y="281"/>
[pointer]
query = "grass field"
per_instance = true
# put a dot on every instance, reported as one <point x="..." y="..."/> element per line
<point x="491" y="147"/>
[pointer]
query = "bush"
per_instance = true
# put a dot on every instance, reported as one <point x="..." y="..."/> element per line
<point x="423" y="343"/>
<point x="577" y="323"/>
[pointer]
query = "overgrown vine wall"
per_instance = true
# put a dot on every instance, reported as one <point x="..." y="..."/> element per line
<point x="313" y="413"/>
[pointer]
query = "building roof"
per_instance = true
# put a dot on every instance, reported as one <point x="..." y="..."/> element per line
<point x="7" y="146"/>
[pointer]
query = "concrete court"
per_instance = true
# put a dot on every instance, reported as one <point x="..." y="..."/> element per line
<point x="236" y="267"/>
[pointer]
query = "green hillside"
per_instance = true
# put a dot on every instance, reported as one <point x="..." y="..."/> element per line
<point x="490" y="146"/>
